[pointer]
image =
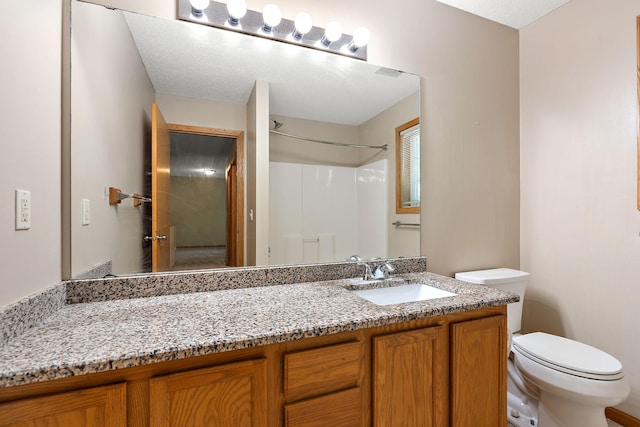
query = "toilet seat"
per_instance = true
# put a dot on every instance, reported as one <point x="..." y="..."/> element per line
<point x="568" y="356"/>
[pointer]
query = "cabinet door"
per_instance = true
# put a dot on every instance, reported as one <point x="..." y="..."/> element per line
<point x="410" y="379"/>
<point x="95" y="407"/>
<point x="479" y="373"/>
<point x="232" y="395"/>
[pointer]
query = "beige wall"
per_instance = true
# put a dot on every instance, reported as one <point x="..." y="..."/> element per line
<point x="578" y="160"/>
<point x="257" y="177"/>
<point x="110" y="129"/>
<point x="290" y="150"/>
<point x="380" y="130"/>
<point x="30" y="147"/>
<point x="197" y="112"/>
<point x="199" y="211"/>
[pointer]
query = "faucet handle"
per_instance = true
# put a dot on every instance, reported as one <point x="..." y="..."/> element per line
<point x="382" y="271"/>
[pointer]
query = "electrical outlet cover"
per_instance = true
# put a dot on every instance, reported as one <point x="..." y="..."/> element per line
<point x="23" y="210"/>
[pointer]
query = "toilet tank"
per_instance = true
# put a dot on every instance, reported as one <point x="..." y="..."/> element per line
<point x="505" y="279"/>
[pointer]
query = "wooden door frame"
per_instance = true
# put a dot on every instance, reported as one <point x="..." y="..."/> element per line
<point x="231" y="175"/>
<point x="238" y="135"/>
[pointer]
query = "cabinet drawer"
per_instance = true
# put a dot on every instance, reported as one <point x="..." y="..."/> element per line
<point x="322" y="370"/>
<point x="341" y="409"/>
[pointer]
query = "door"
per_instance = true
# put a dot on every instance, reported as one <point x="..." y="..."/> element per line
<point x="232" y="216"/>
<point x="160" y="191"/>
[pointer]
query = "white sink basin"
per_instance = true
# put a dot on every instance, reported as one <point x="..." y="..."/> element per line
<point x="403" y="293"/>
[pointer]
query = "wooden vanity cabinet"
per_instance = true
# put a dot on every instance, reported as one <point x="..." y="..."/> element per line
<point x="452" y="374"/>
<point x="441" y="371"/>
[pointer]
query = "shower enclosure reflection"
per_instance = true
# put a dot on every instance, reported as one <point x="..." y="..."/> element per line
<point x="296" y="201"/>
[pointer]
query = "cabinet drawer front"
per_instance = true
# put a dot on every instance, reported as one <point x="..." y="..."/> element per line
<point x="341" y="409"/>
<point x="318" y="371"/>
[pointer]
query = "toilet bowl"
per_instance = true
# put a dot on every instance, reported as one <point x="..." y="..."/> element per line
<point x="553" y="381"/>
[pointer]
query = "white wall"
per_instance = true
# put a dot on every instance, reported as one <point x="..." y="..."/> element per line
<point x="30" y="148"/>
<point x="579" y="223"/>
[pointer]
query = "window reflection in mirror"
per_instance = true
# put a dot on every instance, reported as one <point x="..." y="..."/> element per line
<point x="408" y="167"/>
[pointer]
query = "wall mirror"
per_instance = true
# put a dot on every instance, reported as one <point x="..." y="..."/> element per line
<point x="227" y="134"/>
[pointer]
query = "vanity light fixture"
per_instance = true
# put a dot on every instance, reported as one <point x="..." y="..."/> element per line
<point x="209" y="172"/>
<point x="236" y="9"/>
<point x="234" y="16"/>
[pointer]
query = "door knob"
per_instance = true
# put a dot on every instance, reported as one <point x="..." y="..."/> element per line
<point x="151" y="238"/>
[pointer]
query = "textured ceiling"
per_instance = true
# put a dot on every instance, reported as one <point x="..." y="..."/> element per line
<point x="197" y="61"/>
<point x="513" y="13"/>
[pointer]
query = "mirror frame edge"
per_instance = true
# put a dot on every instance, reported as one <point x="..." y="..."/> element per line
<point x="638" y="105"/>
<point x="65" y="145"/>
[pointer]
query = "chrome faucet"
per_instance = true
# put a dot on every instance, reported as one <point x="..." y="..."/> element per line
<point x="367" y="269"/>
<point x="382" y="271"/>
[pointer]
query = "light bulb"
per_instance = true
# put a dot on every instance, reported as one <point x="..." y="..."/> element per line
<point x="332" y="33"/>
<point x="272" y="17"/>
<point x="237" y="9"/>
<point x="303" y="25"/>
<point x="360" y="39"/>
<point x="197" y="6"/>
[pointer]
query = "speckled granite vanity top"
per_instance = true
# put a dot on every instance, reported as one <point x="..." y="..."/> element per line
<point x="113" y="334"/>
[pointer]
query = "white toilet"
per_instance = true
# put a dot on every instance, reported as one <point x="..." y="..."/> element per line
<point x="555" y="381"/>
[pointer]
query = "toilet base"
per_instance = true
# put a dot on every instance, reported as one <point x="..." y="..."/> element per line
<point x="522" y="405"/>
<point x="521" y="413"/>
<point x="557" y="412"/>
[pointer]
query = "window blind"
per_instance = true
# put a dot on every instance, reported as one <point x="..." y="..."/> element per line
<point x="410" y="172"/>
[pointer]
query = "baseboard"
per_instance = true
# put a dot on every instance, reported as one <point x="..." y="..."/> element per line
<point x="621" y="418"/>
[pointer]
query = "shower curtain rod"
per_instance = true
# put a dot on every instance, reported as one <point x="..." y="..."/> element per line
<point x="339" y="144"/>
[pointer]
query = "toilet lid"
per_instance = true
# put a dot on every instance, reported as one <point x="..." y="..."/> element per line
<point x="571" y="357"/>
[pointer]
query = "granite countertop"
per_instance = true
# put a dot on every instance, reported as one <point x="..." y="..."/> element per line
<point x="100" y="336"/>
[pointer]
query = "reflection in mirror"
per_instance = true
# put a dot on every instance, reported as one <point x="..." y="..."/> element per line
<point x="276" y="199"/>
<point x="408" y="167"/>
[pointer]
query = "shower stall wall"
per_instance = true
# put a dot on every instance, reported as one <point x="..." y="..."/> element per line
<point x="327" y="213"/>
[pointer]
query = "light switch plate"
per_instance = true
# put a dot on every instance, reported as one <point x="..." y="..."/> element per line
<point x="86" y="212"/>
<point x="23" y="210"/>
